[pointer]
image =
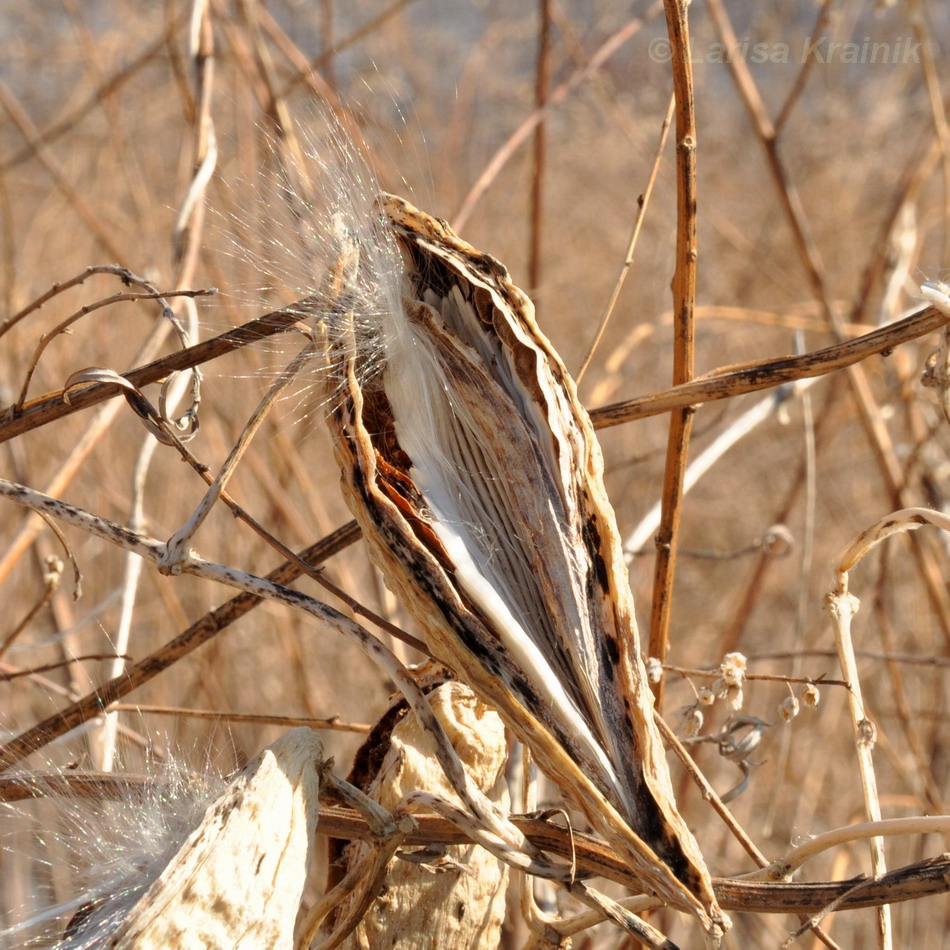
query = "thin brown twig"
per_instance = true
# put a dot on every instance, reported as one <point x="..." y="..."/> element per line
<point x="643" y="202"/>
<point x="911" y="659"/>
<point x="709" y="793"/>
<point x="50" y="586"/>
<point x="765" y="677"/>
<point x="938" y="110"/>
<point x="326" y="38"/>
<point x="64" y="325"/>
<point x="58" y="665"/>
<point x="297" y="59"/>
<point x="125" y="275"/>
<point x="919" y="169"/>
<point x="68" y="554"/>
<point x="361" y="33"/>
<point x="52" y="407"/>
<point x="822" y="21"/>
<point x="769" y="373"/>
<point x="333" y="723"/>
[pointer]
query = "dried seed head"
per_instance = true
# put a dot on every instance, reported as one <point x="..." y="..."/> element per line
<point x="788" y="708"/>
<point x="477" y="481"/>
<point x="693" y="720"/>
<point x="732" y="669"/>
<point x="810" y="695"/>
<point x="53" y="571"/>
<point x="867" y="733"/>
<point x="705" y="696"/>
<point x="654" y="670"/>
<point x="735" y="697"/>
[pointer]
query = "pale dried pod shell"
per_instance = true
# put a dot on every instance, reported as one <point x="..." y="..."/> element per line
<point x="238" y="880"/>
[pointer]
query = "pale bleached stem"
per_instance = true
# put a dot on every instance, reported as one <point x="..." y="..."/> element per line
<point x="786" y="866"/>
<point x="104" y="749"/>
<point x="639" y="538"/>
<point x="842" y="606"/>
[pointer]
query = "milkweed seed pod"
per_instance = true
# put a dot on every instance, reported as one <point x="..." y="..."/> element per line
<point x="477" y="480"/>
<point x="238" y="879"/>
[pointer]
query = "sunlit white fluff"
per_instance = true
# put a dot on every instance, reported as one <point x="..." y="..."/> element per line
<point x="88" y="860"/>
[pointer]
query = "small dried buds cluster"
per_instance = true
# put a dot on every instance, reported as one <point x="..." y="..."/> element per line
<point x="867" y="734"/>
<point x="727" y="683"/>
<point x="693" y="716"/>
<point x="790" y="707"/>
<point x="730" y="680"/>
<point x="53" y="571"/>
<point x="810" y="695"/>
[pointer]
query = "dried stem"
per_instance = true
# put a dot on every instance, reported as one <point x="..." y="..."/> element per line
<point x="764" y="375"/>
<point x="684" y="298"/>
<point x="199" y="633"/>
<point x="64" y="325"/>
<point x="921" y="879"/>
<point x="786" y="866"/>
<point x="542" y="77"/>
<point x="333" y="723"/>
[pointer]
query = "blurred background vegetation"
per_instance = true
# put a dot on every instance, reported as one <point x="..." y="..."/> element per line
<point x="100" y="124"/>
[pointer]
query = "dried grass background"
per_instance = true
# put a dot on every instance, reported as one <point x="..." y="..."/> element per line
<point x="96" y="152"/>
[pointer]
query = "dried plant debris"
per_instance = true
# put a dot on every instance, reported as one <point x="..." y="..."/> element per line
<point x="476" y="478"/>
<point x="432" y="897"/>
